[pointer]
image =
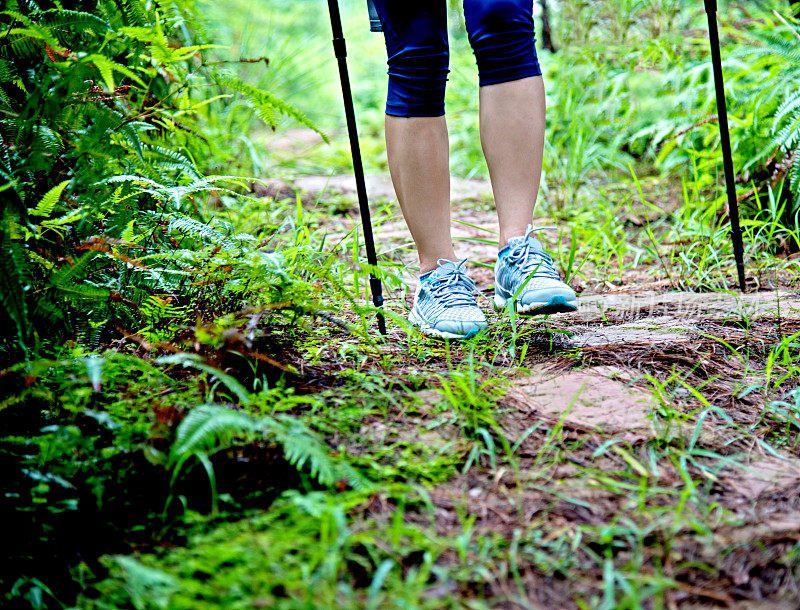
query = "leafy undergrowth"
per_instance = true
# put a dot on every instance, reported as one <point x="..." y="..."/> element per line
<point x="227" y="431"/>
<point x="256" y="461"/>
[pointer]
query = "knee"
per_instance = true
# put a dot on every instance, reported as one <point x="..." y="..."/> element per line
<point x="422" y="58"/>
<point x="417" y="78"/>
<point x="424" y="55"/>
<point x="496" y="15"/>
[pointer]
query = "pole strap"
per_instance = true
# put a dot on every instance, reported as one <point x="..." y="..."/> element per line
<point x="374" y="20"/>
<point x="376" y="289"/>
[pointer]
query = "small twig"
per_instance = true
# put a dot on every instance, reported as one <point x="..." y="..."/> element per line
<point x="709" y="119"/>
<point x="329" y="318"/>
<point x="787" y="24"/>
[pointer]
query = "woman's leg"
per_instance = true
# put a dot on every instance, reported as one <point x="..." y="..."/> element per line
<point x="417" y="146"/>
<point x="512" y="106"/>
<point x="416" y="132"/>
<point x="512" y="136"/>
<point x="418" y="151"/>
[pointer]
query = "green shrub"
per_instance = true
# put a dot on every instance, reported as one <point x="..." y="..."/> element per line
<point x="633" y="84"/>
<point x="107" y="205"/>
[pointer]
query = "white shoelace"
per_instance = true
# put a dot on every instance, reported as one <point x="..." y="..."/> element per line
<point x="527" y="260"/>
<point x="455" y="289"/>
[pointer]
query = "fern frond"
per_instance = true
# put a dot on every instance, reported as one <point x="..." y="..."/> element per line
<point x="40" y="260"/>
<point x="83" y="292"/>
<point x="789" y="135"/>
<point x="202" y="231"/>
<point x="791" y="103"/>
<point x="45" y="139"/>
<point x="13" y="278"/>
<point x="266" y="104"/>
<point x="49" y="201"/>
<point x="5" y="161"/>
<point x="134" y="11"/>
<point x="301" y="447"/>
<point x="163" y="159"/>
<point x="49" y="311"/>
<point x="146" y="35"/>
<point x="31" y="30"/>
<point x="17" y="16"/>
<point x="211" y="428"/>
<point x="75" y="20"/>
<point x="64" y="277"/>
<point x="28" y="42"/>
<point x="107" y="68"/>
<point x="130" y="131"/>
<point x="133" y="178"/>
<point x="207" y="184"/>
<point x="7" y="71"/>
<point x="774" y="45"/>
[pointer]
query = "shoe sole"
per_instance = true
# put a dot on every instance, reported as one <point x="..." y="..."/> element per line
<point x="556" y="304"/>
<point x="432" y="332"/>
<point x="426" y="329"/>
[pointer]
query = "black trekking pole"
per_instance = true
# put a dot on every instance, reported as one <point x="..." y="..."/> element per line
<point x="725" y="141"/>
<point x="340" y="51"/>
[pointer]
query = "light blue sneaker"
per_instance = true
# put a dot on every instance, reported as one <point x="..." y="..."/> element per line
<point x="444" y="303"/>
<point x="544" y="292"/>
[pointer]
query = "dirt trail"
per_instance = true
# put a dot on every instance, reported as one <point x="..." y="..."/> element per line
<point x="634" y="317"/>
<point x="642" y="366"/>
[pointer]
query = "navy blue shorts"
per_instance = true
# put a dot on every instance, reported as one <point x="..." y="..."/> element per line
<point x="500" y="32"/>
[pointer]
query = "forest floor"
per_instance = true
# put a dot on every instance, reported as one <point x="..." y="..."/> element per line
<point x="635" y="436"/>
<point x="640" y="453"/>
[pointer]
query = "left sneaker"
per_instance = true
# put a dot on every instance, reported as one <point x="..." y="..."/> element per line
<point x="544" y="293"/>
<point x="444" y="303"/>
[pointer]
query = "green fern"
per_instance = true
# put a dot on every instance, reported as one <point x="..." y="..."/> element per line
<point x="20" y="38"/>
<point x="49" y="201"/>
<point x="130" y="130"/>
<point x="209" y="429"/>
<point x="789" y="115"/>
<point x="7" y="71"/>
<point x="66" y="276"/>
<point x="13" y="280"/>
<point x="135" y="12"/>
<point x="161" y="159"/>
<point x="108" y="67"/>
<point x="202" y="231"/>
<point x="301" y="447"/>
<point x="776" y="53"/>
<point x="82" y="292"/>
<point x="75" y="20"/>
<point x="134" y="160"/>
<point x="267" y="105"/>
<point x="786" y="128"/>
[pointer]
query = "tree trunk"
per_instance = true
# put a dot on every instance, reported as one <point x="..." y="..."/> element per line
<point x="547" y="35"/>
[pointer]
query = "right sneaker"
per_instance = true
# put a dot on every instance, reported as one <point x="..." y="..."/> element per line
<point x="444" y="303"/>
<point x="524" y="273"/>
